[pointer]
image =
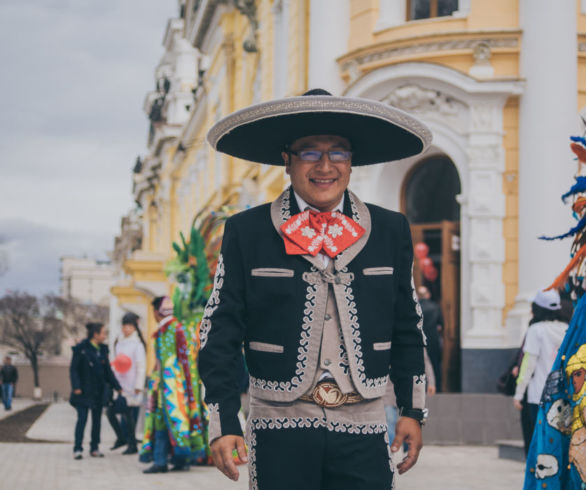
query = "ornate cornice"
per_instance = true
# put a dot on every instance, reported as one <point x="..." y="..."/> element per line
<point x="428" y="45"/>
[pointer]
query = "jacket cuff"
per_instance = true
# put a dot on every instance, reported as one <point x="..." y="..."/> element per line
<point x="221" y="423"/>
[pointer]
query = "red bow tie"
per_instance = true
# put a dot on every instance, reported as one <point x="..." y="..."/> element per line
<point x="311" y="232"/>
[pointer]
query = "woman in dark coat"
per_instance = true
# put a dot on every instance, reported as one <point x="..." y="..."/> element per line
<point x="91" y="379"/>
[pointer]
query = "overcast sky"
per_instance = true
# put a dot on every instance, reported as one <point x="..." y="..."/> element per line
<point x="74" y="77"/>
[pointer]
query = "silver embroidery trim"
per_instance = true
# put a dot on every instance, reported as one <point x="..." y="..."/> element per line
<point x="286" y="205"/>
<point x="348" y="315"/>
<point x="212" y="304"/>
<point x="302" y="350"/>
<point x="251" y="442"/>
<point x="214" y="427"/>
<point x="418" y="396"/>
<point x="344" y="363"/>
<point x="278" y="423"/>
<point x="391" y="463"/>
<point x="316" y="103"/>
<point x="418" y="310"/>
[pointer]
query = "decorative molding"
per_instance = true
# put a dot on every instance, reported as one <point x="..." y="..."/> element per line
<point x="248" y="9"/>
<point x="417" y="99"/>
<point x="389" y="53"/>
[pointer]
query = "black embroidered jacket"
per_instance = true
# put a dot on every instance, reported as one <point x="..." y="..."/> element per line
<point x="275" y="304"/>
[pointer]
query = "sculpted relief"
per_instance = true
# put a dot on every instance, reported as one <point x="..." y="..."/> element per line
<point x="431" y="103"/>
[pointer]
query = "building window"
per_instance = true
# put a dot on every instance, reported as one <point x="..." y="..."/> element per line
<point x="424" y="9"/>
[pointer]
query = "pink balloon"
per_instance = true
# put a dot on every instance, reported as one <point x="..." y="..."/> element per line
<point x="430" y="273"/>
<point x="122" y="363"/>
<point x="425" y="263"/>
<point x="421" y="250"/>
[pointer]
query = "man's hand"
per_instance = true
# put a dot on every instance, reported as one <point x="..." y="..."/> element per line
<point x="77" y="392"/>
<point x="517" y="404"/>
<point x="222" y="448"/>
<point x="407" y="430"/>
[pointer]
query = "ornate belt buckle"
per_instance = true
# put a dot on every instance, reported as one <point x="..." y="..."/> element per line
<point x="328" y="395"/>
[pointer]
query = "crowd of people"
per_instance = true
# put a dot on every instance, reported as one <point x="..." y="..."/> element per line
<point x="175" y="428"/>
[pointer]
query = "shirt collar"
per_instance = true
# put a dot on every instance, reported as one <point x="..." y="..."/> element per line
<point x="165" y="320"/>
<point x="303" y="205"/>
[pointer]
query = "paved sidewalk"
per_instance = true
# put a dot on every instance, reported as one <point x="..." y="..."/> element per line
<point x="18" y="404"/>
<point x="51" y="467"/>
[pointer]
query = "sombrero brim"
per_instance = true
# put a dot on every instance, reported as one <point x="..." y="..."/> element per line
<point x="378" y="132"/>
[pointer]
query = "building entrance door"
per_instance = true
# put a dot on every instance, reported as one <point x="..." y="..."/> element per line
<point x="429" y="202"/>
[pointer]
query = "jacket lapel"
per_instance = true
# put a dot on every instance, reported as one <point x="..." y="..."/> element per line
<point x="358" y="211"/>
<point x="282" y="209"/>
<point x="285" y="206"/>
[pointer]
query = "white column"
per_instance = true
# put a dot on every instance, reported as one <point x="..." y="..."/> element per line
<point x="548" y="116"/>
<point x="483" y="212"/>
<point x="391" y="13"/>
<point x="329" y="25"/>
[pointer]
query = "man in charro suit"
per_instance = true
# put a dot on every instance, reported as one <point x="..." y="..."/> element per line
<point x="318" y="286"/>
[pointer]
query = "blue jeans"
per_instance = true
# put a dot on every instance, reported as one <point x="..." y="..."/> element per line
<point x="161" y="449"/>
<point x="392" y="414"/>
<point x="7" y="392"/>
<point x="82" y="414"/>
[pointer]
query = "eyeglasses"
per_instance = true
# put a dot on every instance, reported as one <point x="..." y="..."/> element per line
<point x="335" y="156"/>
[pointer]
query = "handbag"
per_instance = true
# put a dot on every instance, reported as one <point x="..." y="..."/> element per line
<point x="119" y="405"/>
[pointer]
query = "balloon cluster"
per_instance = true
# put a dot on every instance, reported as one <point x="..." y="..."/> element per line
<point x="425" y="263"/>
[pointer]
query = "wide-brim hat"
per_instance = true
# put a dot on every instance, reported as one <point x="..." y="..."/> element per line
<point x="377" y="132"/>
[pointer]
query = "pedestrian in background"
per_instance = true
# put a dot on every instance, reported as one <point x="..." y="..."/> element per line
<point x="542" y="342"/>
<point x="433" y="322"/>
<point x="91" y="377"/>
<point x="129" y="366"/>
<point x="390" y="400"/>
<point x="175" y="426"/>
<point x="9" y="376"/>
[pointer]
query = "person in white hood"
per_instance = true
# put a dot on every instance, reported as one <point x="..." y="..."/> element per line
<point x="542" y="342"/>
<point x="129" y="366"/>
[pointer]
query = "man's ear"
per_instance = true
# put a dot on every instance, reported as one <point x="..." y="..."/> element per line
<point x="285" y="157"/>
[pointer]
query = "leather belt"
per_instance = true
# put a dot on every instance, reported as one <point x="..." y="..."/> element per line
<point x="327" y="394"/>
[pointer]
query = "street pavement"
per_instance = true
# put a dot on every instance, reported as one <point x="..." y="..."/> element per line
<point x="17" y="405"/>
<point x="40" y="466"/>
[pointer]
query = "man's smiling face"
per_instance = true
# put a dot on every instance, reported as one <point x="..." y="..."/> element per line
<point x="320" y="184"/>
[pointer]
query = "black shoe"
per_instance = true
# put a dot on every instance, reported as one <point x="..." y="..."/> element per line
<point x="118" y="444"/>
<point x="130" y="450"/>
<point x="183" y="467"/>
<point x="156" y="469"/>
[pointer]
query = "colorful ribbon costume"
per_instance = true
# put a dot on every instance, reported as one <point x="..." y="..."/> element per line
<point x="174" y="397"/>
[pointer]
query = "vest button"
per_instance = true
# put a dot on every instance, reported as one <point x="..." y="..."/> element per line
<point x="327" y="362"/>
<point x="328" y="316"/>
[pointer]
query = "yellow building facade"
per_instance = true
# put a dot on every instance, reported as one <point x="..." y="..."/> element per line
<point x="500" y="84"/>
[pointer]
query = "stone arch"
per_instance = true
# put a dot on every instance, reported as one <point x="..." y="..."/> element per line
<point x="466" y="119"/>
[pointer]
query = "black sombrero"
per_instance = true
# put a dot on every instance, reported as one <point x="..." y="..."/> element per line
<point x="378" y="132"/>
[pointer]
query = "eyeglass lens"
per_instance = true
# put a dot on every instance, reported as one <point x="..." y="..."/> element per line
<point x="315" y="155"/>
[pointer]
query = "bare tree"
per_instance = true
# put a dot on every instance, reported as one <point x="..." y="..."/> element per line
<point x="31" y="325"/>
<point x="75" y="314"/>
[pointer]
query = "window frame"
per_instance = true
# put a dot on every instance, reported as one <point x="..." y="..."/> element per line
<point x="433" y="10"/>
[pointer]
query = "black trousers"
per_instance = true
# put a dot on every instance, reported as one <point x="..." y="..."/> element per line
<point x="124" y="432"/>
<point x="528" y="419"/>
<point x="318" y="459"/>
<point x="82" y="415"/>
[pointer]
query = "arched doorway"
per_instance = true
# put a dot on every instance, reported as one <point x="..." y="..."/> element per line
<point x="429" y="201"/>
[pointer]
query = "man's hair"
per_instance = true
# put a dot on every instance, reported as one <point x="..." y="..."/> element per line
<point x="130" y="318"/>
<point x="157" y="302"/>
<point x="93" y="328"/>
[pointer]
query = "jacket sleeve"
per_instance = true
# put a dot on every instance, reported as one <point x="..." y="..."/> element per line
<point x="408" y="339"/>
<point x="221" y="337"/>
<point x="74" y="368"/>
<point x="111" y="377"/>
<point x="140" y="360"/>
